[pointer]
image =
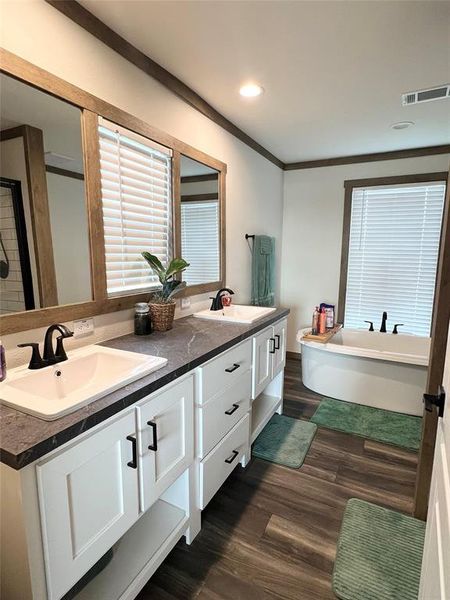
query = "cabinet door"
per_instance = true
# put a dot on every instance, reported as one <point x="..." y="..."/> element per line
<point x="263" y="351"/>
<point x="279" y="358"/>
<point x="166" y="439"/>
<point x="88" y="500"/>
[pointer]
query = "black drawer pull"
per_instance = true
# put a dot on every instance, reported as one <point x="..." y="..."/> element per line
<point x="277" y="343"/>
<point x="153" y="446"/>
<point x="230" y="459"/>
<point x="133" y="463"/>
<point x="233" y="368"/>
<point x="272" y="349"/>
<point x="231" y="410"/>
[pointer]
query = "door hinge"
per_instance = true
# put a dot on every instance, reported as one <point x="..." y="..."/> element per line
<point x="435" y="400"/>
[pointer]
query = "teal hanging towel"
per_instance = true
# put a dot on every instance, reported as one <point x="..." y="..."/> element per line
<point x="263" y="271"/>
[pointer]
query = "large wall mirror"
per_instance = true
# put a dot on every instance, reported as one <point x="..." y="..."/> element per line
<point x="44" y="237"/>
<point x="200" y="221"/>
<point x="86" y="187"/>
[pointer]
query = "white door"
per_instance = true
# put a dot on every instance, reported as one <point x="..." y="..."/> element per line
<point x="435" y="577"/>
<point x="279" y="358"/>
<point x="166" y="439"/>
<point x="89" y="499"/>
<point x="263" y="351"/>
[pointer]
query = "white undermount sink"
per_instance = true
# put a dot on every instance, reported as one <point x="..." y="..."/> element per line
<point x="236" y="313"/>
<point x="87" y="375"/>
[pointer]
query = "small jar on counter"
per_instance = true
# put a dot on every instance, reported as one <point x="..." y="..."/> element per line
<point x="142" y="323"/>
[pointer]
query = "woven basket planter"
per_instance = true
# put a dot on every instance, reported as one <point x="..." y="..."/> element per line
<point x="162" y="316"/>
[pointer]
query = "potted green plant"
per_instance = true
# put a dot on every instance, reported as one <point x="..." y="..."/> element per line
<point x="161" y="304"/>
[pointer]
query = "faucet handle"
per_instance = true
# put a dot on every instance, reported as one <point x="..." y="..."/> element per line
<point x="371" y="325"/>
<point x="36" y="361"/>
<point x="394" y="331"/>
<point x="60" y="353"/>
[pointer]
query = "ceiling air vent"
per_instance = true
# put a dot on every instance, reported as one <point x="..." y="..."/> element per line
<point x="436" y="93"/>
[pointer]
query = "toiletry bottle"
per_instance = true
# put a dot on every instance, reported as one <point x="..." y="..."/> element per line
<point x="2" y="362"/>
<point x="315" y="321"/>
<point x="329" y="311"/>
<point x="142" y="323"/>
<point x="226" y="299"/>
<point x="322" y="321"/>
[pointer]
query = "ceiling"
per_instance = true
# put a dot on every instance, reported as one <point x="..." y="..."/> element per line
<point x="333" y="72"/>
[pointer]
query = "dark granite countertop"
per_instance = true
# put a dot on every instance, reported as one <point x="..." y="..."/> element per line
<point x="190" y="343"/>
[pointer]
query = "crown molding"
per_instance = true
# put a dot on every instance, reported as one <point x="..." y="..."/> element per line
<point x="362" y="158"/>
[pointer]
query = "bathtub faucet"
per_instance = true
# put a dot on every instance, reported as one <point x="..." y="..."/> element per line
<point x="383" y="323"/>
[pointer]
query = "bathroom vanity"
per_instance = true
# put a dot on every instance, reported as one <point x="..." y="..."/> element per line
<point x="132" y="471"/>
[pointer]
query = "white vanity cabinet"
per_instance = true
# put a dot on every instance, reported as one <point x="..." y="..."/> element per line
<point x="126" y="485"/>
<point x="166" y="438"/>
<point x="269" y="356"/>
<point x="88" y="499"/>
<point x="137" y="482"/>
<point x="236" y="395"/>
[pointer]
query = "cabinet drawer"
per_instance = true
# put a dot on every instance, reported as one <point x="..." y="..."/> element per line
<point x="218" y="416"/>
<point x="224" y="370"/>
<point x="219" y="463"/>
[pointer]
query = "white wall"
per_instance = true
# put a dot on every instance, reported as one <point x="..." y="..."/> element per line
<point x="40" y="34"/>
<point x="312" y="231"/>
<point x="69" y="225"/>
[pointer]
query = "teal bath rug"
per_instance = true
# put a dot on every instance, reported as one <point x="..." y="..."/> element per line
<point x="379" y="554"/>
<point x="372" y="423"/>
<point x="284" y="441"/>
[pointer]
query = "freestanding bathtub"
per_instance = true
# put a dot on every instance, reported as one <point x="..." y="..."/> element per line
<point x="376" y="369"/>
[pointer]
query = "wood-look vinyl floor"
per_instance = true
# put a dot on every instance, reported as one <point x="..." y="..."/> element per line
<point x="271" y="531"/>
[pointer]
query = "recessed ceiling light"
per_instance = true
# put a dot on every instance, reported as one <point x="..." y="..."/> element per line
<point x="402" y="125"/>
<point x="251" y="90"/>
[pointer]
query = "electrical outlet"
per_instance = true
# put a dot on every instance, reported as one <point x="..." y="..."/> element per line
<point x="185" y="302"/>
<point x="83" y="327"/>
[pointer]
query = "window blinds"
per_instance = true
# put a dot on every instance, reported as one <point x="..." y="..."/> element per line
<point x="393" y="253"/>
<point x="200" y="241"/>
<point x="136" y="198"/>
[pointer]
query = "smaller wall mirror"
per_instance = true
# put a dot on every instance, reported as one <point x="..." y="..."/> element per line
<point x="200" y="221"/>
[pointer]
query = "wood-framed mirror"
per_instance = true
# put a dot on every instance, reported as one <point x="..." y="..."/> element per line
<point x="64" y="179"/>
<point x="200" y="222"/>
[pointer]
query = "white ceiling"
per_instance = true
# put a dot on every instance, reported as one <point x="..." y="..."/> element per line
<point x="333" y="71"/>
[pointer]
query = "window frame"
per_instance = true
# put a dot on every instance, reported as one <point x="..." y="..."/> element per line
<point x="349" y="186"/>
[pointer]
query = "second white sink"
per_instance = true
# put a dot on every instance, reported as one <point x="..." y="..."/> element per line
<point x="236" y="313"/>
<point x="87" y="375"/>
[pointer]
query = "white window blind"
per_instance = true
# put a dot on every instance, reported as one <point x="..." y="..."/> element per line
<point x="200" y="241"/>
<point x="136" y="198"/>
<point x="393" y="253"/>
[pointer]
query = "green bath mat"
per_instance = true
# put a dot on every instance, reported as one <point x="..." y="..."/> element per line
<point x="379" y="554"/>
<point x="284" y="441"/>
<point x="373" y="423"/>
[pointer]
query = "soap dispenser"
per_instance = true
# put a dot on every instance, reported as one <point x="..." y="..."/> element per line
<point x="2" y="362"/>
